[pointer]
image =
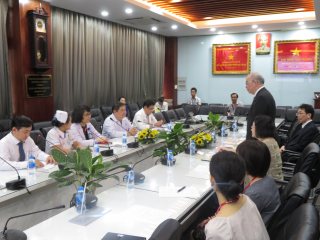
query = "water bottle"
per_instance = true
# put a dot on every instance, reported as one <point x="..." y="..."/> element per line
<point x="31" y="165"/>
<point x="80" y="200"/>
<point x="169" y="158"/>
<point x="192" y="148"/>
<point x="169" y="125"/>
<point x="234" y="126"/>
<point x="223" y="131"/>
<point x="96" y="150"/>
<point x="130" y="178"/>
<point x="124" y="139"/>
<point x="214" y="137"/>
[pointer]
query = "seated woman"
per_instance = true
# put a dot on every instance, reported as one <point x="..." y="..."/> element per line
<point x="82" y="130"/>
<point x="261" y="188"/>
<point x="237" y="216"/>
<point x="264" y="130"/>
<point x="59" y="137"/>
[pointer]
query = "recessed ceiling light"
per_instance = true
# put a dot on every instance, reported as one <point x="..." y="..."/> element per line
<point x="104" y="13"/>
<point x="176" y="1"/>
<point x="303" y="27"/>
<point x="207" y="18"/>
<point x="213" y="29"/>
<point x="259" y="29"/>
<point x="254" y="26"/>
<point x="154" y="28"/>
<point x="299" y="9"/>
<point x="220" y="32"/>
<point x="174" y="26"/>
<point x="128" y="10"/>
<point x="300" y="23"/>
<point x="23" y="1"/>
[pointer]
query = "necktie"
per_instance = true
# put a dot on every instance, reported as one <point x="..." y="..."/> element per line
<point x="22" y="155"/>
<point x="85" y="132"/>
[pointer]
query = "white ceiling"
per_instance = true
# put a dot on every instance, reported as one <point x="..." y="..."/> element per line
<point x="144" y="19"/>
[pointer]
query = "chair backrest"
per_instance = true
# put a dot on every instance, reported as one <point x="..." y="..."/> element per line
<point x="97" y="115"/>
<point x="39" y="125"/>
<point x="290" y="115"/>
<point x="106" y="111"/>
<point x="170" y="116"/>
<point x="5" y="125"/>
<point x="169" y="229"/>
<point x="38" y="139"/>
<point x="295" y="193"/>
<point x="190" y="108"/>
<point x="241" y="111"/>
<point x="133" y="108"/>
<point x="280" y="112"/>
<point x="204" y="110"/>
<point x="222" y="110"/>
<point x="303" y="223"/>
<point x="181" y="114"/>
<point x="309" y="163"/>
<point x="96" y="125"/>
<point x="45" y="131"/>
<point x="159" y="116"/>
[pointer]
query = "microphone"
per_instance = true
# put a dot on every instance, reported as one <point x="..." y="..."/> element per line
<point x="17" y="184"/>
<point x="13" y="234"/>
<point x="105" y="153"/>
<point x="134" y="144"/>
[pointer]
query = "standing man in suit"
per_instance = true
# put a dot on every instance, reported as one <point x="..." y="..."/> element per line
<point x="305" y="132"/>
<point x="263" y="102"/>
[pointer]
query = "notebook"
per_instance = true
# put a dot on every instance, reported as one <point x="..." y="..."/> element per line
<point x="119" y="236"/>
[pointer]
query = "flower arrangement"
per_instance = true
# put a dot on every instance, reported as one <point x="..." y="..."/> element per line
<point x="202" y="139"/>
<point x="147" y="135"/>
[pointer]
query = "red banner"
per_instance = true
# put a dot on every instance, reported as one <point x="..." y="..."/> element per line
<point x="296" y="56"/>
<point x="231" y="58"/>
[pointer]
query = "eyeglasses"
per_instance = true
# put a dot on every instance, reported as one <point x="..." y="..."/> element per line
<point x="300" y="113"/>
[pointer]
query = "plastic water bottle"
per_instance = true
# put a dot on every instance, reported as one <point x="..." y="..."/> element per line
<point x="130" y="178"/>
<point x="124" y="139"/>
<point x="192" y="148"/>
<point x="96" y="150"/>
<point x="169" y="126"/>
<point x="234" y="126"/>
<point x="31" y="165"/>
<point x="169" y="158"/>
<point x="223" y="130"/>
<point x="214" y="137"/>
<point x="80" y="200"/>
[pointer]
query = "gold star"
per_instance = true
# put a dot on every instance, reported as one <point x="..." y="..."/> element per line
<point x="230" y="57"/>
<point x="295" y="52"/>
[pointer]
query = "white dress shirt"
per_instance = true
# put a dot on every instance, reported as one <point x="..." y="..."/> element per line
<point x="114" y="128"/>
<point x="56" y="137"/>
<point x="9" y="150"/>
<point x="195" y="101"/>
<point x="78" y="135"/>
<point x="142" y="121"/>
<point x="161" y="108"/>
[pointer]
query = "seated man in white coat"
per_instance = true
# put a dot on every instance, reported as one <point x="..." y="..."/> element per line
<point x="144" y="117"/>
<point x="116" y="124"/>
<point x="17" y="146"/>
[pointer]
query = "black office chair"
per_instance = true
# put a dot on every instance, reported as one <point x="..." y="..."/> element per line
<point x="303" y="223"/>
<point x="295" y="193"/>
<point x="280" y="112"/>
<point x="39" y="125"/>
<point x="38" y="139"/>
<point x="241" y="111"/>
<point x="159" y="116"/>
<point x="204" y="110"/>
<point x="181" y="114"/>
<point x="45" y="131"/>
<point x="222" y="110"/>
<point x="190" y="108"/>
<point x="106" y="111"/>
<point x="5" y="127"/>
<point x="96" y="125"/>
<point x="169" y="229"/>
<point x="97" y="115"/>
<point x="133" y="108"/>
<point x="170" y="116"/>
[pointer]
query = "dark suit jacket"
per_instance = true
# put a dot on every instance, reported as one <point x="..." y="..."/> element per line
<point x="262" y="104"/>
<point x="301" y="137"/>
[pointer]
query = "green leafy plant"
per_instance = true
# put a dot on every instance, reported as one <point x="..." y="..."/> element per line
<point x="175" y="140"/>
<point x="79" y="167"/>
<point x="213" y="123"/>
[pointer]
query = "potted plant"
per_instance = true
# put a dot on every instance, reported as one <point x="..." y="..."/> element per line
<point x="81" y="169"/>
<point x="175" y="140"/>
<point x="202" y="139"/>
<point x="147" y="135"/>
<point x="214" y="123"/>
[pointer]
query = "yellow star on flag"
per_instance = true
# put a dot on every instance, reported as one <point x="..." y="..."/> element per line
<point x="230" y="57"/>
<point x="295" y="52"/>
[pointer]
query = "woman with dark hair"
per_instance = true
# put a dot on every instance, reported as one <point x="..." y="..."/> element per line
<point x="264" y="130"/>
<point x="237" y="215"/>
<point x="82" y="130"/>
<point x="261" y="188"/>
<point x="59" y="137"/>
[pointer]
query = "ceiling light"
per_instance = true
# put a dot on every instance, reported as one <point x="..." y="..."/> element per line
<point x="207" y="18"/>
<point x="174" y="27"/>
<point x="154" y="28"/>
<point x="23" y="1"/>
<point x="220" y="32"/>
<point x="254" y="26"/>
<point x="213" y="29"/>
<point x="299" y="9"/>
<point x="259" y="29"/>
<point x="104" y="13"/>
<point x="300" y="23"/>
<point x="303" y="27"/>
<point x="176" y="1"/>
<point x="128" y="10"/>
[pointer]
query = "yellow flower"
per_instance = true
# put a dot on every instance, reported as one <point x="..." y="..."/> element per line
<point x="199" y="142"/>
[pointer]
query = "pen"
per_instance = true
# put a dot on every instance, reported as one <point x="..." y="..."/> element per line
<point x="181" y="189"/>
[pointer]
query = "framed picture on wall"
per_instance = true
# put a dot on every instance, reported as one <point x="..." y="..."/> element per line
<point x="296" y="56"/>
<point x="231" y="58"/>
<point x="263" y="43"/>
